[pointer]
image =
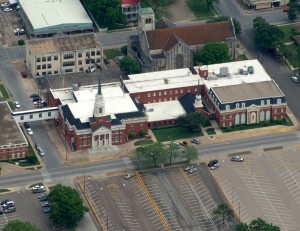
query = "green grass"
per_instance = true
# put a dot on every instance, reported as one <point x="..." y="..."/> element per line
<point x="31" y="168"/>
<point x="40" y="184"/>
<point x="143" y="142"/>
<point x="210" y="131"/>
<point x="11" y="105"/>
<point x="39" y="167"/>
<point x="242" y="57"/>
<point x="199" y="9"/>
<point x="287" y="30"/>
<point x="3" y="91"/>
<point x="2" y="190"/>
<point x="294" y="60"/>
<point x="174" y="133"/>
<point x="111" y="53"/>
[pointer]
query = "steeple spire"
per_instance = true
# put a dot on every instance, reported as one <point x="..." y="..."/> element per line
<point x="99" y="86"/>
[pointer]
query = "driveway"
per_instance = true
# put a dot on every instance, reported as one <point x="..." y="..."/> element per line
<point x="179" y="11"/>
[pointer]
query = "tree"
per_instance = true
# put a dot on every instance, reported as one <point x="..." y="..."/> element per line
<point x="17" y="225"/>
<point x="66" y="205"/>
<point x="193" y="121"/>
<point x="107" y="13"/>
<point x="32" y="159"/>
<point x="172" y="152"/>
<point x="158" y="6"/>
<point x="189" y="153"/>
<point x="130" y="65"/>
<point x="137" y="158"/>
<point x="257" y="224"/>
<point x="124" y="50"/>
<point x="223" y="211"/>
<point x="213" y="52"/>
<point x="259" y="22"/>
<point x="21" y="42"/>
<point x="269" y="37"/>
<point x="209" y="3"/>
<point x="294" y="9"/>
<point x="154" y="152"/>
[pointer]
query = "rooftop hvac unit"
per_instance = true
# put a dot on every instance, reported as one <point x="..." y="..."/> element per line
<point x="224" y="71"/>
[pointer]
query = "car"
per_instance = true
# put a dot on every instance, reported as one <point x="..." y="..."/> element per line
<point x="5" y="5"/>
<point x="47" y="210"/>
<point x="19" y="31"/>
<point x="26" y="125"/>
<point x="183" y="143"/>
<point x="29" y="131"/>
<point x="42" y="195"/>
<point x="45" y="104"/>
<point x="175" y="143"/>
<point x="285" y="10"/>
<point x="237" y="159"/>
<point x="39" y="102"/>
<point x="7" y="9"/>
<point x="295" y="79"/>
<point x="41" y="151"/>
<point x="34" y="95"/>
<point x="186" y="168"/>
<point x="17" y="105"/>
<point x="24" y="74"/>
<point x="195" y="141"/>
<point x="7" y="203"/>
<point x="36" y="145"/>
<point x="212" y="163"/>
<point x="9" y="210"/>
<point x="44" y="198"/>
<point x="45" y="204"/>
<point x="214" y="166"/>
<point x="34" y="99"/>
<point x="16" y="30"/>
<point x="129" y="175"/>
<point x="106" y="61"/>
<point x="38" y="189"/>
<point x="191" y="170"/>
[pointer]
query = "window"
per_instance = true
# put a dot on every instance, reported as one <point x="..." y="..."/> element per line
<point x="38" y="60"/>
<point x="189" y="90"/>
<point x="68" y="56"/>
<point x="243" y="105"/>
<point x="262" y="102"/>
<point x="268" y="102"/>
<point x="81" y="69"/>
<point x="149" y="94"/>
<point x="98" y="52"/>
<point x="148" y="20"/>
<point x="237" y="105"/>
<point x="165" y="99"/>
<point x="80" y="62"/>
<point x="275" y="110"/>
<point x="22" y="117"/>
<point x="227" y="107"/>
<point x="30" y="116"/>
<point x="49" y="58"/>
<point x="159" y="93"/>
<point x="92" y="60"/>
<point x="196" y="89"/>
<point x="55" y="57"/>
<point x="68" y="70"/>
<point x="98" y="60"/>
<point x="49" y="65"/>
<point x="38" y="67"/>
<point x="79" y="55"/>
<point x="40" y="115"/>
<point x="49" y="113"/>
<point x="44" y="73"/>
<point x="165" y="92"/>
<point x="44" y="59"/>
<point x="154" y="93"/>
<point x="176" y="91"/>
<point x="55" y="72"/>
<point x="87" y="61"/>
<point x="49" y="72"/>
<point x="93" y="53"/>
<point x="278" y="101"/>
<point x="181" y="91"/>
<point x="87" y="54"/>
<point x="44" y="66"/>
<point x="66" y="64"/>
<point x="170" y="98"/>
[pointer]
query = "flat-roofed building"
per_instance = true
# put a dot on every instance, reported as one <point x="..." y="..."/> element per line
<point x="44" y="18"/>
<point x="68" y="54"/>
<point x="264" y="4"/>
<point x="13" y="144"/>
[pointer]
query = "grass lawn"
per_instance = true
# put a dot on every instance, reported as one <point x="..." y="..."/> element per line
<point x="294" y="60"/>
<point x="287" y="30"/>
<point x="3" y="91"/>
<point x="143" y="142"/>
<point x="199" y="9"/>
<point x="111" y="53"/>
<point x="174" y="133"/>
<point x="210" y="131"/>
<point x="11" y="105"/>
<point x="2" y="190"/>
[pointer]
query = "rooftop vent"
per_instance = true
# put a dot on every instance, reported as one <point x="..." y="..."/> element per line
<point x="166" y="81"/>
<point x="224" y="71"/>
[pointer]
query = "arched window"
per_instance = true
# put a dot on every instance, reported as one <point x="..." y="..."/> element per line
<point x="243" y="118"/>
<point x="278" y="101"/>
<point x="262" y="102"/>
<point x="227" y="107"/>
<point x="237" y="119"/>
<point x="243" y="105"/>
<point x="237" y="105"/>
<point x="262" y="116"/>
<point x="268" y="115"/>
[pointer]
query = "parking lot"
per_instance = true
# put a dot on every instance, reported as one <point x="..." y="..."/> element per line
<point x="164" y="199"/>
<point x="266" y="185"/>
<point x="28" y="208"/>
<point x="9" y="21"/>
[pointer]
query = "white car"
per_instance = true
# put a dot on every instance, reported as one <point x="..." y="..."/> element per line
<point x="29" y="131"/>
<point x="196" y="141"/>
<point x="191" y="170"/>
<point x="19" y="31"/>
<point x="7" y="9"/>
<point x="17" y="105"/>
<point x="188" y="167"/>
<point x="237" y="159"/>
<point x="295" y="79"/>
<point x="5" y="5"/>
<point x="38" y="102"/>
<point x="129" y="175"/>
<point x="175" y="143"/>
<point x="214" y="166"/>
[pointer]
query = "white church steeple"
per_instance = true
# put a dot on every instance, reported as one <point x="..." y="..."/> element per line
<point x="99" y="109"/>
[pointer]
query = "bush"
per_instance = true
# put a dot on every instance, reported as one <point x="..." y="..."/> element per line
<point x="32" y="159"/>
<point x="228" y="129"/>
<point x="267" y="122"/>
<point x="280" y="121"/>
<point x="124" y="50"/>
<point x="242" y="127"/>
<point x="133" y="134"/>
<point x="142" y="133"/>
<point x="21" y="42"/>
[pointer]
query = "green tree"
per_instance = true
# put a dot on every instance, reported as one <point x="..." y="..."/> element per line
<point x="21" y="42"/>
<point x="259" y="22"/>
<point x="159" y="6"/>
<point x="155" y="152"/>
<point x="209" y="3"/>
<point x="66" y="205"/>
<point x="130" y="65"/>
<point x="257" y="225"/>
<point x="212" y="53"/>
<point x="32" y="159"/>
<point x="124" y="50"/>
<point x="294" y="9"/>
<point x="142" y="133"/>
<point x="193" y="121"/>
<point x="107" y="13"/>
<point x="189" y="153"/>
<point x="137" y="158"/>
<point x="223" y="211"/>
<point x="17" y="225"/>
<point x="269" y="37"/>
<point x="172" y="152"/>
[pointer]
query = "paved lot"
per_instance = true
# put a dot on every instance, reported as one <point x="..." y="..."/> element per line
<point x="28" y="208"/>
<point x="155" y="200"/>
<point x="266" y="185"/>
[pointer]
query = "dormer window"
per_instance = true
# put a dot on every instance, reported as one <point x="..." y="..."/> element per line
<point x="243" y="105"/>
<point x="262" y="102"/>
<point x="227" y="107"/>
<point x="268" y="102"/>
<point x="278" y="101"/>
<point x="237" y="105"/>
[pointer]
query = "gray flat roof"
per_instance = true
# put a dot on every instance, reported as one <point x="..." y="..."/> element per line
<point x="10" y="131"/>
<point x="66" y="43"/>
<point x="247" y="91"/>
<point x="45" y="13"/>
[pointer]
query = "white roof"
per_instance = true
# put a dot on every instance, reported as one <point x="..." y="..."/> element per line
<point x="161" y="80"/>
<point x="234" y="77"/>
<point x="164" y="110"/>
<point x="115" y="100"/>
<point x="48" y="13"/>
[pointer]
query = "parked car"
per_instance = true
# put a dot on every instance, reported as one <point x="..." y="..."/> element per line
<point x="186" y="168"/>
<point x="42" y="195"/>
<point x="295" y="79"/>
<point x="175" y="143"/>
<point x="214" y="166"/>
<point x="26" y="125"/>
<point x="191" y="170"/>
<point x="44" y="198"/>
<point x="29" y="131"/>
<point x="237" y="159"/>
<point x="106" y="61"/>
<point x="47" y="210"/>
<point x="24" y="74"/>
<point x="45" y="204"/>
<point x="19" y="31"/>
<point x="36" y="145"/>
<point x="286" y="10"/>
<point x="9" y="210"/>
<point x="129" y="175"/>
<point x="212" y="163"/>
<point x="7" y="9"/>
<point x="5" y="5"/>
<point x="183" y="143"/>
<point x="34" y="95"/>
<point x="41" y="151"/>
<point x="7" y="203"/>
<point x="34" y="99"/>
<point x="38" y="189"/>
<point x="17" y="105"/>
<point x="196" y="141"/>
<point x="39" y="102"/>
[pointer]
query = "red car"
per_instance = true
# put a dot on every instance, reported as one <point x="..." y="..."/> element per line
<point x="285" y="10"/>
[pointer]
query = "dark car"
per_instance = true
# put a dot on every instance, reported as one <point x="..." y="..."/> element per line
<point x="106" y="61"/>
<point x="46" y="209"/>
<point x="24" y="74"/>
<point x="212" y="163"/>
<point x="44" y="198"/>
<point x="35" y="99"/>
<point x="9" y="210"/>
<point x="34" y="95"/>
<point x="26" y="125"/>
<point x="45" y="104"/>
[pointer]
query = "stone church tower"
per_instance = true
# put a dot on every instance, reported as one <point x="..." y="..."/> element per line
<point x="146" y="19"/>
